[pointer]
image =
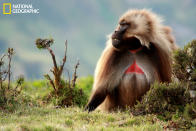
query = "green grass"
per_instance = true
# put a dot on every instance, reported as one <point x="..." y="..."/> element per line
<point x="49" y="118"/>
<point x="42" y="116"/>
<point x="36" y="89"/>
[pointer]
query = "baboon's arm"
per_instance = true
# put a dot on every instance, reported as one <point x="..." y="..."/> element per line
<point x="97" y="98"/>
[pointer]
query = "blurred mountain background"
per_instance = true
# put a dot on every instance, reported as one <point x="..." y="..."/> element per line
<point x="85" y="24"/>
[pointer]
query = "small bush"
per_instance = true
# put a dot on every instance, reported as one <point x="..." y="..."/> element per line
<point x="69" y="96"/>
<point x="184" y="67"/>
<point x="164" y="100"/>
<point x="170" y="102"/>
<point x="10" y="93"/>
<point x="65" y="93"/>
<point x="11" y="99"/>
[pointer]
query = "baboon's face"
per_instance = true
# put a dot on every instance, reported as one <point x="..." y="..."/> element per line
<point x="120" y="41"/>
<point x="130" y="26"/>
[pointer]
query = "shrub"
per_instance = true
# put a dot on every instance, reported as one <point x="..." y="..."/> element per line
<point x="65" y="93"/>
<point x="68" y="96"/>
<point x="10" y="94"/>
<point x="184" y="67"/>
<point x="164" y="98"/>
<point x="170" y="102"/>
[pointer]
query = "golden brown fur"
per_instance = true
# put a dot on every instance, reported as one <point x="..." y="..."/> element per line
<point x="170" y="37"/>
<point x="112" y="88"/>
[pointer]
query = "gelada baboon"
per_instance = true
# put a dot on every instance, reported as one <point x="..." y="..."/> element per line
<point x="137" y="54"/>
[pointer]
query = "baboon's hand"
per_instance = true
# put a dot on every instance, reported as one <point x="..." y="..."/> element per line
<point x="96" y="99"/>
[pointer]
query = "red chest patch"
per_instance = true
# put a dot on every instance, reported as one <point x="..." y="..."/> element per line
<point x="134" y="68"/>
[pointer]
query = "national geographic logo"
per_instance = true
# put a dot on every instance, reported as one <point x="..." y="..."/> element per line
<point x="9" y="8"/>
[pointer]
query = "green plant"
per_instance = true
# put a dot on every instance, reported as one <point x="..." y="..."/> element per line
<point x="9" y="94"/>
<point x="164" y="98"/>
<point x="184" y="67"/>
<point x="56" y="70"/>
<point x="65" y="93"/>
<point x="167" y="101"/>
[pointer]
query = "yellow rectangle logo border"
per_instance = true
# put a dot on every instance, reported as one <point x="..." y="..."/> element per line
<point x="10" y="7"/>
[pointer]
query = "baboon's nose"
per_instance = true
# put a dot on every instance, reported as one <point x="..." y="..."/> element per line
<point x="118" y="34"/>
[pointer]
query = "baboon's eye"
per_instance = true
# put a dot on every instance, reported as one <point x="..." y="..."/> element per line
<point x="124" y="23"/>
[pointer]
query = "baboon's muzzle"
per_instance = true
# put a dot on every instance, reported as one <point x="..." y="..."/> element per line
<point x="117" y="36"/>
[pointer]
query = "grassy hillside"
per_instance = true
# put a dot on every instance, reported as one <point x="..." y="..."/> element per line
<point x="85" y="25"/>
<point x="34" y="114"/>
<point x="49" y="118"/>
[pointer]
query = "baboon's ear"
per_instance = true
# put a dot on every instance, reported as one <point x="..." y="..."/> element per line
<point x="96" y="99"/>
